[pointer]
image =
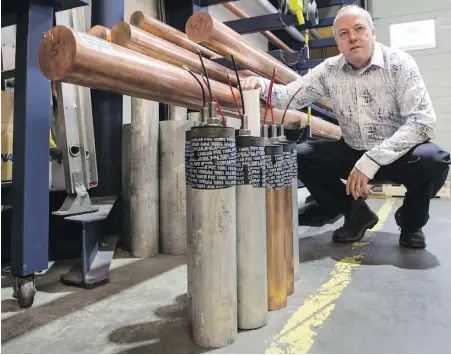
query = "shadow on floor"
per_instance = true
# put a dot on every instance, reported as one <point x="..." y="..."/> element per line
<point x="170" y="335"/>
<point x="383" y="249"/>
<point x="120" y="280"/>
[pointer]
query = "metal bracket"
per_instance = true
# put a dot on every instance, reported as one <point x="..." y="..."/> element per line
<point x="79" y="202"/>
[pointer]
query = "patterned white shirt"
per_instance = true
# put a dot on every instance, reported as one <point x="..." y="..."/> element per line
<point x="383" y="109"/>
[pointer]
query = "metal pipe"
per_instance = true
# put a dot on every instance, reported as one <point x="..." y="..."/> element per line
<point x="212" y="239"/>
<point x="162" y="30"/>
<point x="269" y="35"/>
<point x="100" y="32"/>
<point x="251" y="232"/>
<point x="173" y="231"/>
<point x="272" y="10"/>
<point x="131" y="37"/>
<point x="203" y="28"/>
<point x="88" y="61"/>
<point x="275" y="233"/>
<point x="144" y="173"/>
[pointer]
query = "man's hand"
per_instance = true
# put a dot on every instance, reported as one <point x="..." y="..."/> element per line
<point x="250" y="83"/>
<point x="357" y="184"/>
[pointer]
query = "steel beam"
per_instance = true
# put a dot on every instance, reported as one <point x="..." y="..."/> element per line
<point x="273" y="22"/>
<point x="107" y="112"/>
<point x="30" y="189"/>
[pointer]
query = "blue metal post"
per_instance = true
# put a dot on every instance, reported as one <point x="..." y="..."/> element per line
<point x="30" y="190"/>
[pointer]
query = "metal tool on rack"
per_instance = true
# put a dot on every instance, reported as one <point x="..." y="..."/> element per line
<point x="78" y="151"/>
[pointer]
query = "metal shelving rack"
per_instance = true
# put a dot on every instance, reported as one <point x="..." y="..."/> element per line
<point x="29" y="192"/>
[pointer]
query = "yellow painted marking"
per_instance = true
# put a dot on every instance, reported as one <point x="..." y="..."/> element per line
<point x="298" y="335"/>
<point x="359" y="245"/>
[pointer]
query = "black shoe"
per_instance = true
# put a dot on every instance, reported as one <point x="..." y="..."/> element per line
<point x="414" y="240"/>
<point x="357" y="221"/>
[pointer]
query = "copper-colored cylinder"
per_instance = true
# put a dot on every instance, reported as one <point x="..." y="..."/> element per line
<point x="171" y="34"/>
<point x="275" y="231"/>
<point x="203" y="28"/>
<point x="269" y="35"/>
<point x="288" y="148"/>
<point x="100" y="32"/>
<point x="134" y="38"/>
<point x="81" y="59"/>
<point x="288" y="233"/>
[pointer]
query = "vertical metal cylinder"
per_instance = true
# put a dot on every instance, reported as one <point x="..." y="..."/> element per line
<point x="294" y="183"/>
<point x="177" y="113"/>
<point x="189" y="219"/>
<point x="275" y="233"/>
<point x="126" y="146"/>
<point x="288" y="215"/>
<point x="212" y="239"/>
<point x="144" y="191"/>
<point x="173" y="182"/>
<point x="251" y="233"/>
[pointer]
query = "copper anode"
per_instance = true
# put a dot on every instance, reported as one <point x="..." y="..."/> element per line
<point x="169" y="33"/>
<point x="81" y="59"/>
<point x="134" y="38"/>
<point x="202" y="28"/>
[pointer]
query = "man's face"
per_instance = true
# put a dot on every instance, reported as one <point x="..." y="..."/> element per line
<point x="355" y="39"/>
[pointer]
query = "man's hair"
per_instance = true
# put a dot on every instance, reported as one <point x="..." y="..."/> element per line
<point x="356" y="10"/>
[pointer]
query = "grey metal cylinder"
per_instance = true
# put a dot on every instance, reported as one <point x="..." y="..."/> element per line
<point x="173" y="183"/>
<point x="144" y="176"/>
<point x="212" y="238"/>
<point x="126" y="145"/>
<point x="251" y="233"/>
<point x="177" y="113"/>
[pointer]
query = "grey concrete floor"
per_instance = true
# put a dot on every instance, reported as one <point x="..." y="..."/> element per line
<point x="393" y="301"/>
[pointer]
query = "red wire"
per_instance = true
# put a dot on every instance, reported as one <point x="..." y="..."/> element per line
<point x="233" y="95"/>
<point x="269" y="100"/>
<point x="217" y="103"/>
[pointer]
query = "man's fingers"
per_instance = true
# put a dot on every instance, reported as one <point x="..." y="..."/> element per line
<point x="352" y="187"/>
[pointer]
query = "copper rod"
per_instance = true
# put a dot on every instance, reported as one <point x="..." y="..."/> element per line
<point x="134" y="38"/>
<point x="288" y="235"/>
<point x="171" y="34"/>
<point x="269" y="35"/>
<point x="275" y="244"/>
<point x="100" y="32"/>
<point x="203" y="28"/>
<point x="81" y="59"/>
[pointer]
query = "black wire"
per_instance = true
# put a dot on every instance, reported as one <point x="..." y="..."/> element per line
<point x="239" y="82"/>
<point x="206" y="75"/>
<point x="289" y="103"/>
<point x="201" y="86"/>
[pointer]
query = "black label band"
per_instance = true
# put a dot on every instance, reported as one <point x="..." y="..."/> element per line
<point x="212" y="163"/>
<point x="251" y="168"/>
<point x="294" y="164"/>
<point x="275" y="171"/>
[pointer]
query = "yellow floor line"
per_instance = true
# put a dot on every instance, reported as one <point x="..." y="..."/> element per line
<point x="298" y="335"/>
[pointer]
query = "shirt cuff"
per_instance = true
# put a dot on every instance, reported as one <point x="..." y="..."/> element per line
<point x="264" y="86"/>
<point x="367" y="166"/>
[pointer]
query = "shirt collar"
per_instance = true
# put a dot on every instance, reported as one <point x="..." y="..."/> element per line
<point x="376" y="59"/>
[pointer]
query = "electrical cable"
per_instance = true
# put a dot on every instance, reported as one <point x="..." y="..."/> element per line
<point x="219" y="106"/>
<point x="269" y="98"/>
<point x="233" y="95"/>
<point x="206" y="75"/>
<point x="201" y="86"/>
<point x="238" y="79"/>
<point x="289" y="103"/>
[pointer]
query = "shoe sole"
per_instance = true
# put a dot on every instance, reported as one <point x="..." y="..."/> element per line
<point x="367" y="226"/>
<point x="412" y="246"/>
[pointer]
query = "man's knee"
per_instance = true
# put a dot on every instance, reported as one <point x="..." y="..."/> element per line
<point x="434" y="160"/>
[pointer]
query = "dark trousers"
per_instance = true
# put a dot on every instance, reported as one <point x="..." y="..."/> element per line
<point x="423" y="172"/>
